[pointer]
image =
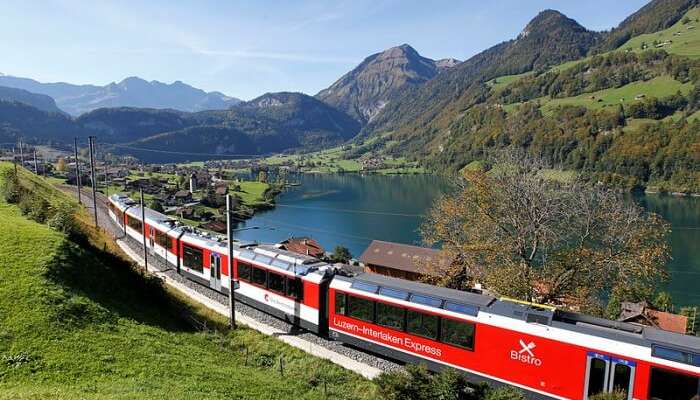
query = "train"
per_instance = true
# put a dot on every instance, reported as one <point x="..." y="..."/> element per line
<point x="546" y="352"/>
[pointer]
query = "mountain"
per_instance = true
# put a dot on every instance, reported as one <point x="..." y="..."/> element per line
<point x="131" y="92"/>
<point x="127" y="124"/>
<point x="367" y="89"/>
<point x="549" y="39"/>
<point x="40" y="101"/>
<point x="20" y="120"/>
<point x="273" y="122"/>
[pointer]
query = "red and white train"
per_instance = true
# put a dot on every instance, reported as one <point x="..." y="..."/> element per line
<point x="549" y="354"/>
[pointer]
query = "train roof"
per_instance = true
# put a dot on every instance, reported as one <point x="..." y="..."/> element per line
<point x="295" y="263"/>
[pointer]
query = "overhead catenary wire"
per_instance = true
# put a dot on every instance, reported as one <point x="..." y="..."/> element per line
<point x="346" y="210"/>
<point x="186" y="153"/>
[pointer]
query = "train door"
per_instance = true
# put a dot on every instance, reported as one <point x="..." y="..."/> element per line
<point x="151" y="237"/>
<point x="215" y="271"/>
<point x="605" y="374"/>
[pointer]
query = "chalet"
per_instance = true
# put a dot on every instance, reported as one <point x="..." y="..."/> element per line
<point x="640" y="313"/>
<point x="182" y="197"/>
<point x="303" y="245"/>
<point x="400" y="260"/>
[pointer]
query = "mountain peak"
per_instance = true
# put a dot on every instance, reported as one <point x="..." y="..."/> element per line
<point x="550" y="22"/>
<point x="368" y="88"/>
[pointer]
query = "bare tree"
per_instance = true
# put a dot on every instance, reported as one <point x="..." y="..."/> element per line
<point x="532" y="232"/>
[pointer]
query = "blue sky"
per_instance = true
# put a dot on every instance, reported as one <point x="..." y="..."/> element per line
<point x="246" y="48"/>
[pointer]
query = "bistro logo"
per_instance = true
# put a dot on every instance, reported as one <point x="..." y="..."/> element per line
<point x="525" y="354"/>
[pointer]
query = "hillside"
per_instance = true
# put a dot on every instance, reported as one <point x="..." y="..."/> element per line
<point x="79" y="322"/>
<point x="369" y="87"/>
<point x="19" y="120"/>
<point x="654" y="16"/>
<point x="39" y="101"/>
<point x="625" y="117"/>
<point x="130" y="92"/>
<point x="273" y="122"/>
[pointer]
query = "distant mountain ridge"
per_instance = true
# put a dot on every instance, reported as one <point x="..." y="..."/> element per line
<point x="368" y="88"/>
<point x="130" y="92"/>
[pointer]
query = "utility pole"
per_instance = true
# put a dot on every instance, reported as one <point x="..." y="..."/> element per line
<point x="143" y="229"/>
<point x="77" y="169"/>
<point x="36" y="169"/>
<point x="229" y="233"/>
<point x="92" y="177"/>
<point x="106" y="181"/>
<point x="21" y="153"/>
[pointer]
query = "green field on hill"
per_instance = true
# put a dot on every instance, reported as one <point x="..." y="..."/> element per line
<point x="77" y="322"/>
<point x="683" y="38"/>
<point x="634" y="92"/>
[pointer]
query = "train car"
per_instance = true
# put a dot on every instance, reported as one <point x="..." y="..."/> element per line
<point x="117" y="206"/>
<point x="548" y="354"/>
<point x="287" y="285"/>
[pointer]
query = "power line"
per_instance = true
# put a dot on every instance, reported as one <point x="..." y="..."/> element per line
<point x="357" y="238"/>
<point x="372" y="212"/>
<point x="185" y="153"/>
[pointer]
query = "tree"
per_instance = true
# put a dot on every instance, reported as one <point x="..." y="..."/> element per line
<point x="341" y="254"/>
<point x="537" y="234"/>
<point x="61" y="165"/>
<point x="262" y="176"/>
<point x="156" y="205"/>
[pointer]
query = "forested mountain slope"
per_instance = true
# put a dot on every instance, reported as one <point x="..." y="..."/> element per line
<point x="549" y="39"/>
<point x="626" y="117"/>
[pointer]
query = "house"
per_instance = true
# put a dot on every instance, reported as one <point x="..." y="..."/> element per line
<point x="182" y="197"/>
<point x="400" y="260"/>
<point x="303" y="245"/>
<point x="215" y="226"/>
<point x="641" y="313"/>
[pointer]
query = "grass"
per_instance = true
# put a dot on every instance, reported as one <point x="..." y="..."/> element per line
<point x="658" y="87"/>
<point x="77" y="322"/>
<point x="684" y="41"/>
<point x="252" y="192"/>
<point x="501" y="82"/>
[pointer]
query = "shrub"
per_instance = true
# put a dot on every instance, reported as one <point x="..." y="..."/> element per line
<point x="62" y="219"/>
<point x="10" y="187"/>
<point x="617" y="395"/>
<point x="504" y="393"/>
<point x="416" y="383"/>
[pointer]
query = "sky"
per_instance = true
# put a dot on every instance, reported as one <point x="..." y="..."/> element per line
<point x="247" y="48"/>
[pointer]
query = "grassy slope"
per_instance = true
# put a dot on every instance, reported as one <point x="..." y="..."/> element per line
<point x="686" y="44"/>
<point x="90" y="327"/>
<point x="658" y="87"/>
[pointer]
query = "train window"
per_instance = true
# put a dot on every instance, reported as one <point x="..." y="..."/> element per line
<point x="390" y="316"/>
<point x="360" y="308"/>
<point x="295" y="288"/>
<point x="259" y="276"/>
<point x="340" y="303"/>
<point x="243" y="271"/>
<point x="192" y="258"/>
<point x="365" y="287"/>
<point x="670" y="385"/>
<point x="426" y="300"/>
<point x="675" y="355"/>
<point x="458" y="333"/>
<point x="134" y="224"/>
<point x="161" y="239"/>
<point x="275" y="282"/>
<point x="421" y="324"/>
<point x="397" y="294"/>
<point x="461" y="308"/>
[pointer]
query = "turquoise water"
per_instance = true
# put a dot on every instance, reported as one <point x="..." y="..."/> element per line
<point x="351" y="210"/>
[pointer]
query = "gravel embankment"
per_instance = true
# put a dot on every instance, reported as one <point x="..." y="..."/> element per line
<point x="110" y="226"/>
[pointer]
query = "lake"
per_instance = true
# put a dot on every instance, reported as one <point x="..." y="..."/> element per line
<point x="352" y="210"/>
